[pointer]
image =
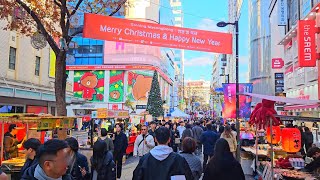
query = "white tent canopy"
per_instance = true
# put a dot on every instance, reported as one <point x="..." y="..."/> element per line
<point x="283" y="99"/>
<point x="178" y="113"/>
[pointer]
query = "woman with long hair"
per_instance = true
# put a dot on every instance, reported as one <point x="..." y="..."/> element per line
<point x="102" y="164"/>
<point x="230" y="138"/>
<point x="223" y="165"/>
<point x="175" y="138"/>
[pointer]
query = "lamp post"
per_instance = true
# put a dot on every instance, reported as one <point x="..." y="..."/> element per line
<point x="227" y="80"/>
<point x="224" y="24"/>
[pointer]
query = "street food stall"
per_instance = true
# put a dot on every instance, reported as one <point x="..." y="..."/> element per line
<point x="30" y="126"/>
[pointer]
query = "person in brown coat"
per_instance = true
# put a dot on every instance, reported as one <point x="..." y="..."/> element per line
<point x="11" y="143"/>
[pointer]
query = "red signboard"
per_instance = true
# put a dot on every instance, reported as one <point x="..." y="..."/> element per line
<point x="306" y="43"/>
<point x="277" y="63"/>
<point x="136" y="32"/>
<point x="121" y="67"/>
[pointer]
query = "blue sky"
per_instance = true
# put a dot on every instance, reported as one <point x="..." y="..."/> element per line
<point x="198" y="65"/>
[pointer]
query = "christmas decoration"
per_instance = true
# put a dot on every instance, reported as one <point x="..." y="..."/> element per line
<point x="116" y="88"/>
<point x="154" y="106"/>
<point x="261" y="114"/>
<point x="139" y="84"/>
<point x="89" y="85"/>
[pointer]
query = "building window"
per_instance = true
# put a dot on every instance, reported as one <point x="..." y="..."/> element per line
<point x="12" y="58"/>
<point x="37" y="67"/>
<point x="11" y="109"/>
<point x="53" y="111"/>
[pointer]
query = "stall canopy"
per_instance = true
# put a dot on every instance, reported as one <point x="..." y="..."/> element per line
<point x="178" y="113"/>
<point x="284" y="99"/>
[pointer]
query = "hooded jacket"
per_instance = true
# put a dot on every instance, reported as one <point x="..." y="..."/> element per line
<point x="162" y="164"/>
<point x="140" y="147"/>
<point x="27" y="164"/>
<point x="29" y="174"/>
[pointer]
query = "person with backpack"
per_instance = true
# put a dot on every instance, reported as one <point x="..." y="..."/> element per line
<point x="208" y="139"/>
<point x="197" y="132"/>
<point x="102" y="164"/>
<point x="144" y="143"/>
<point x="161" y="163"/>
<point x="104" y="137"/>
<point x="187" y="132"/>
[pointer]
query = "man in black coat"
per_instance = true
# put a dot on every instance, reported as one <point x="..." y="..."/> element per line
<point x="31" y="147"/>
<point x="313" y="152"/>
<point x="120" y="142"/>
<point x="208" y="139"/>
<point x="162" y="163"/>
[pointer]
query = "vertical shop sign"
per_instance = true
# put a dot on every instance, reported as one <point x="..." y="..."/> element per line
<point x="306" y="43"/>
<point x="229" y="108"/>
<point x="282" y="12"/>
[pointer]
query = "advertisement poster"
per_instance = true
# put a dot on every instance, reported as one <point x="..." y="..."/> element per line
<point x="229" y="107"/>
<point x="116" y="86"/>
<point x="139" y="85"/>
<point x="306" y="43"/>
<point x="137" y="32"/>
<point x="89" y="85"/>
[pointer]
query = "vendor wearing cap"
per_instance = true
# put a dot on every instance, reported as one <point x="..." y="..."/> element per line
<point x="313" y="152"/>
<point x="11" y="143"/>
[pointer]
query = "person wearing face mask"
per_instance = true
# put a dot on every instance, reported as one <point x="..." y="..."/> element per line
<point x="79" y="169"/>
<point x="31" y="147"/>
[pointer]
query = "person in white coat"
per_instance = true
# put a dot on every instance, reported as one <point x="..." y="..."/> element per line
<point x="144" y="143"/>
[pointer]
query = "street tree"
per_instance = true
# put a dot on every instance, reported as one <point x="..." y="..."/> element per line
<point x="155" y="103"/>
<point x="52" y="20"/>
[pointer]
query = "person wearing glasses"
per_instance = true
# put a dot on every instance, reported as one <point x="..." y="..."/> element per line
<point x="54" y="159"/>
<point x="144" y="143"/>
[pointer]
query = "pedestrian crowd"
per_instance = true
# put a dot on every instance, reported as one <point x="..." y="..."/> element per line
<point x="165" y="150"/>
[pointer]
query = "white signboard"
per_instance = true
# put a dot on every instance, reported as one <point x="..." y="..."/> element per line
<point x="282" y="12"/>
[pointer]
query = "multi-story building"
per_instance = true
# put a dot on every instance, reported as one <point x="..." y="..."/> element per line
<point x="259" y="56"/>
<point x="197" y="93"/>
<point x="299" y="81"/>
<point x="123" y="71"/>
<point x="231" y="63"/>
<point x="26" y="76"/>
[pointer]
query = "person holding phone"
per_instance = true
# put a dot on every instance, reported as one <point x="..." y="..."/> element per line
<point x="144" y="143"/>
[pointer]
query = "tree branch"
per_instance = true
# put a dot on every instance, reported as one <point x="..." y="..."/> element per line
<point x="76" y="8"/>
<point x="118" y="8"/>
<point x="43" y="30"/>
<point x="57" y="3"/>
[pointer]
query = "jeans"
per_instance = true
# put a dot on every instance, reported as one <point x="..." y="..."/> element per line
<point x="206" y="157"/>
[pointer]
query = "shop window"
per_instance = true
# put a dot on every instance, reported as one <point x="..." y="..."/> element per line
<point x="12" y="58"/>
<point x="90" y="49"/>
<point x="11" y="109"/>
<point x="37" y="67"/>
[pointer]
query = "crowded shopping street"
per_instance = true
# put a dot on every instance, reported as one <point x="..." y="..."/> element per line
<point x="159" y="89"/>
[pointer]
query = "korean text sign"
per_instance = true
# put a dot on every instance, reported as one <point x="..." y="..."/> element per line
<point x="306" y="43"/>
<point x="229" y="92"/>
<point x="136" y="32"/>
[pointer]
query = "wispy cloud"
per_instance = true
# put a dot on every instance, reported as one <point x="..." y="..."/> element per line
<point x="209" y="25"/>
<point x="199" y="61"/>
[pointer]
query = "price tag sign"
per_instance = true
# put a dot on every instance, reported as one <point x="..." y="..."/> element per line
<point x="102" y="113"/>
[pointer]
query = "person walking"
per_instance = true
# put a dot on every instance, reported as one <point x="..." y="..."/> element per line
<point x="308" y="138"/>
<point x="230" y="138"/>
<point x="208" y="139"/>
<point x="120" y="146"/>
<point x="144" y="143"/>
<point x="181" y="128"/>
<point x="223" y="165"/>
<point x="104" y="137"/>
<point x="152" y="129"/>
<point x="175" y="137"/>
<point x="162" y="163"/>
<point x="187" y="132"/>
<point x="79" y="168"/>
<point x="103" y="166"/>
<point x="188" y="148"/>
<point x="197" y="132"/>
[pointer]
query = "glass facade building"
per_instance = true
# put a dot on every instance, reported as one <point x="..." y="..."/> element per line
<point x="260" y="52"/>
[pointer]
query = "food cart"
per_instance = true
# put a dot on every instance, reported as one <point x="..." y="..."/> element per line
<point x="30" y="126"/>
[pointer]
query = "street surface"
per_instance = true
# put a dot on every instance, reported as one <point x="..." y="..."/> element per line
<point x="130" y="163"/>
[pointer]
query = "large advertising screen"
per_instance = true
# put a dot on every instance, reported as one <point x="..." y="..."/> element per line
<point x="229" y="108"/>
<point x="136" y="32"/>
